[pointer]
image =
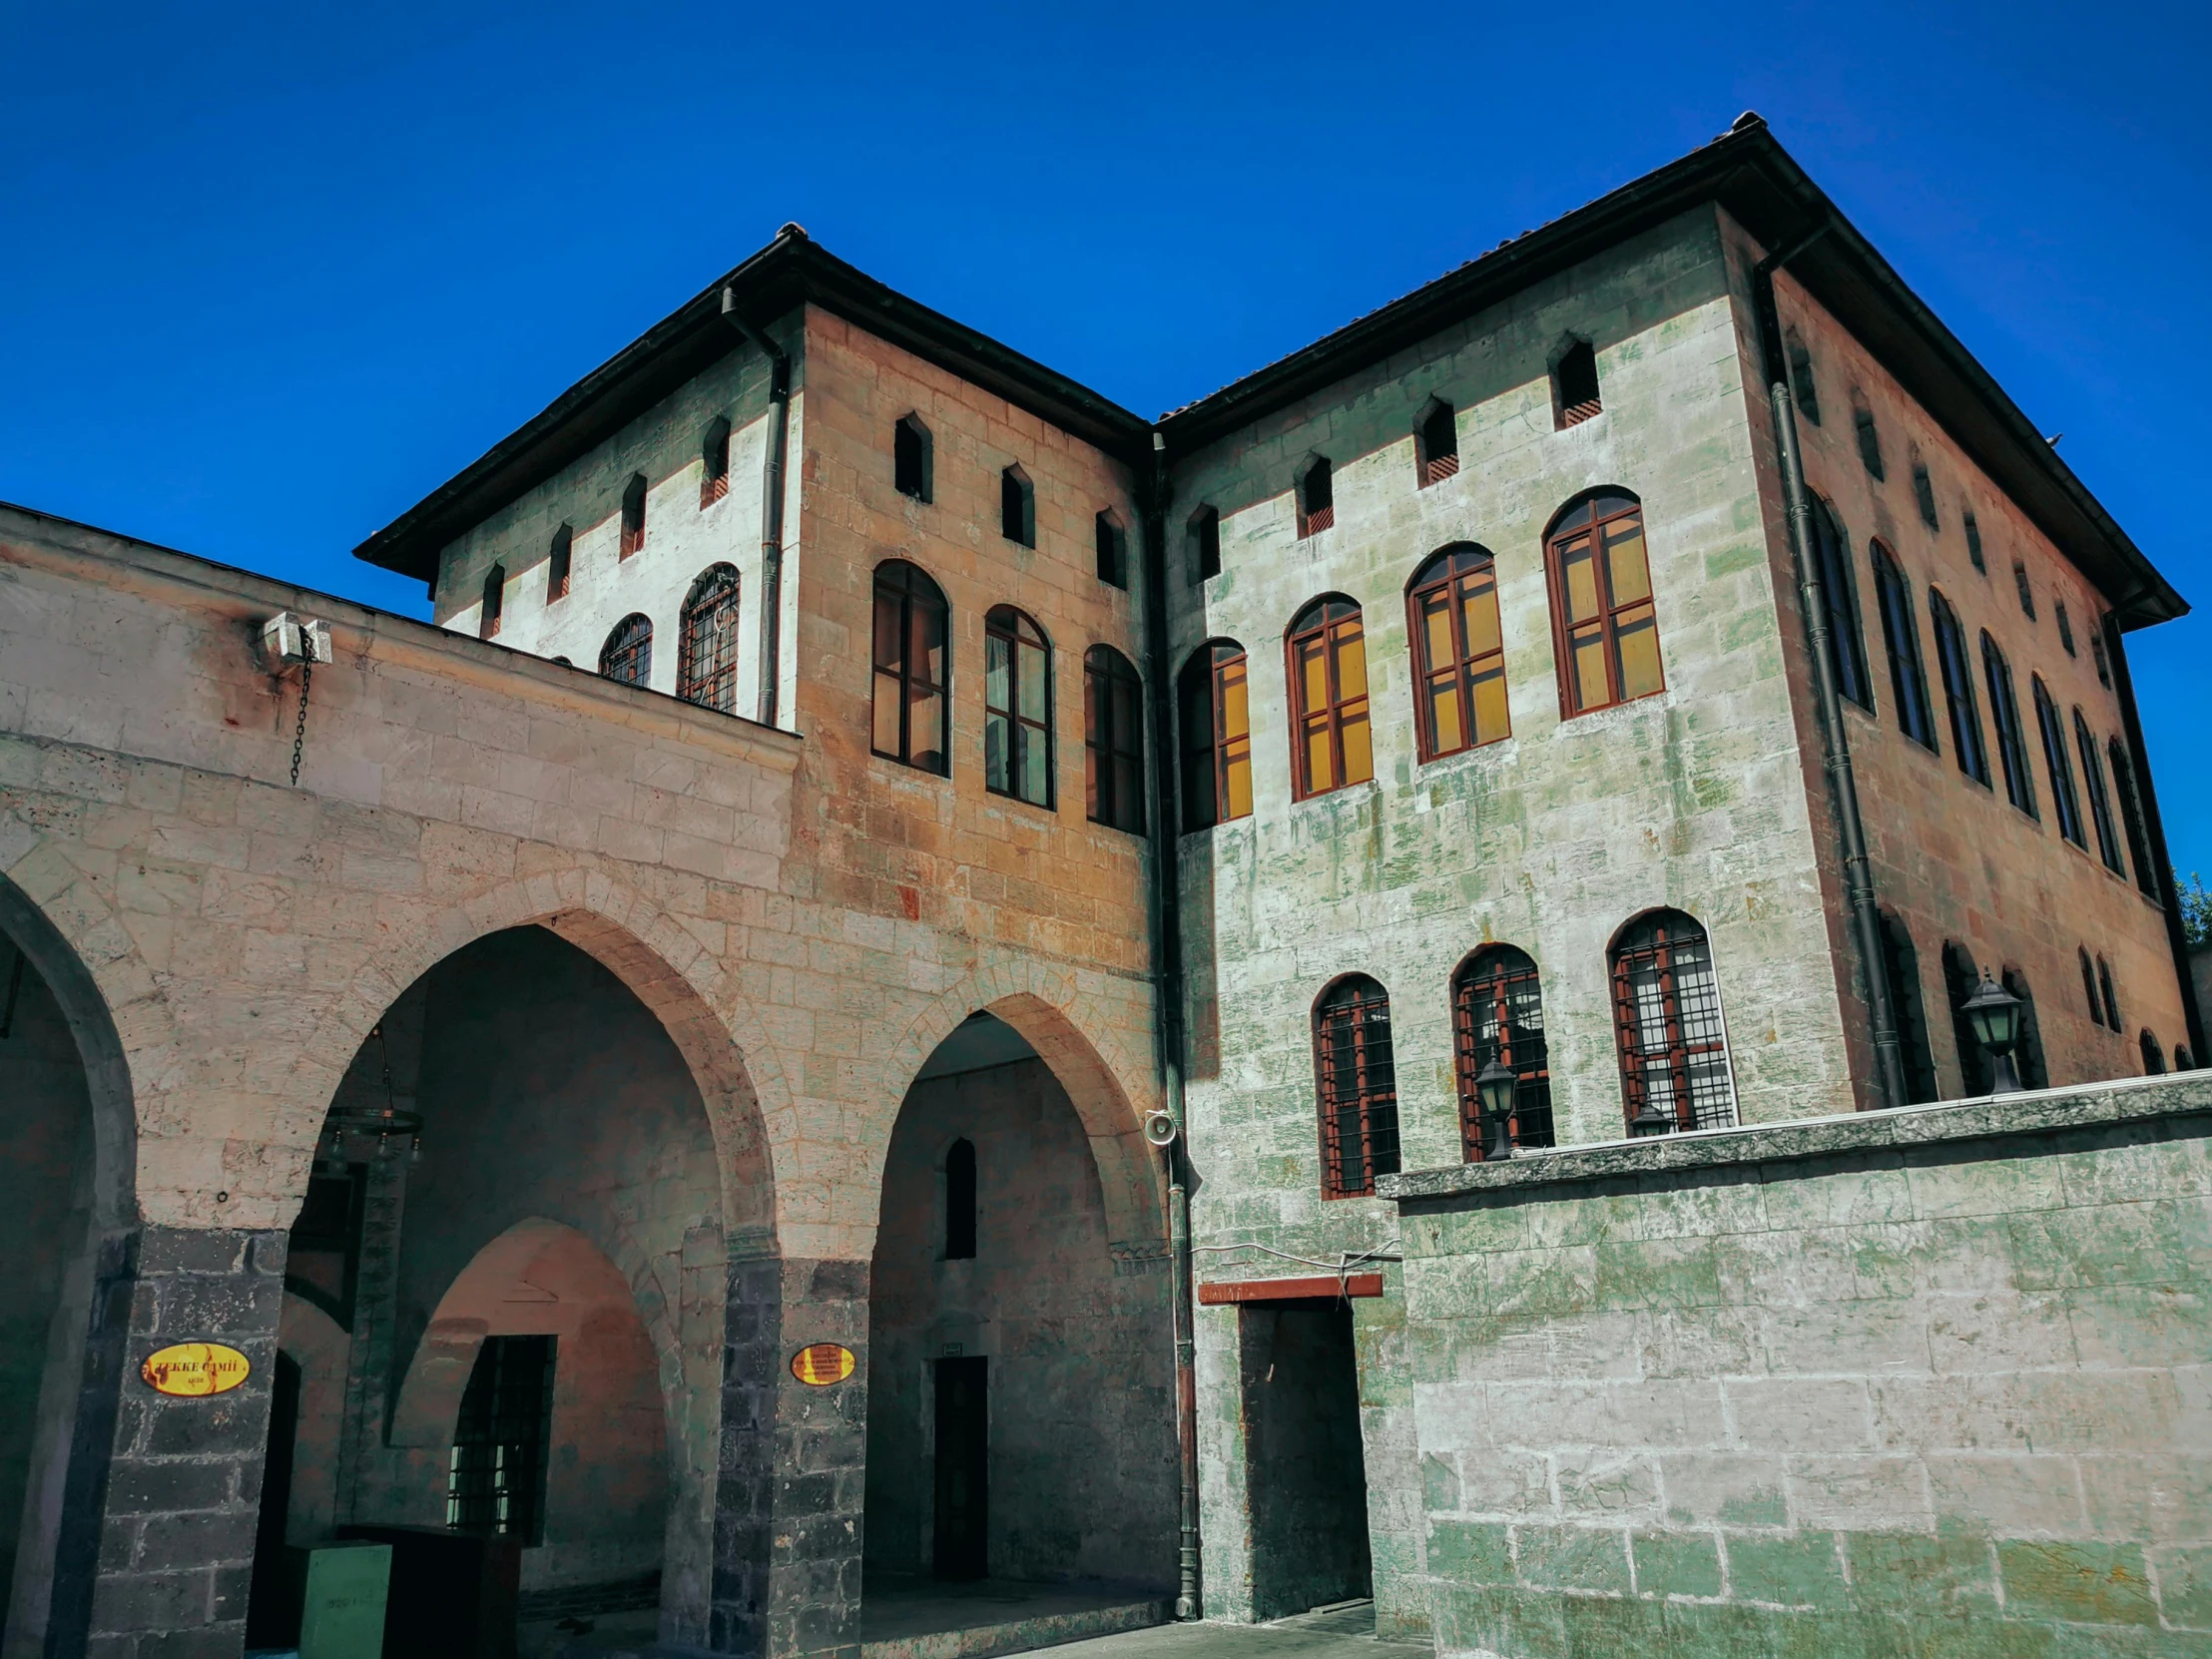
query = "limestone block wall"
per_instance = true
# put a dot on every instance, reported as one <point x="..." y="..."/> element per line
<point x="1953" y="858"/>
<point x="1910" y="1381"/>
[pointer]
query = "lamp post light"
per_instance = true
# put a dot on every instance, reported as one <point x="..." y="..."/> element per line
<point x="1495" y="1085"/>
<point x="1651" y="1119"/>
<point x="1995" y="1014"/>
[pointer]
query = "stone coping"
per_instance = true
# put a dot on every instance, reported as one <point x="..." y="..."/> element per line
<point x="1987" y="1117"/>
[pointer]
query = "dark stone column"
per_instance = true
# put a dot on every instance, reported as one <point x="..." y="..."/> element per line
<point x="157" y="1547"/>
<point x="790" y="1490"/>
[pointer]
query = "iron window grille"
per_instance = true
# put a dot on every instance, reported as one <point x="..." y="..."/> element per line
<point x="1017" y="707"/>
<point x="1357" y="1085"/>
<point x="1216" y="721"/>
<point x="1603" y="616"/>
<point x="1459" y="652"/>
<point x="1497" y="1011"/>
<point x="1326" y="653"/>
<point x="707" y="643"/>
<point x="1667" y="1016"/>
<point x="627" y="657"/>
<point x="1113" y="740"/>
<point x="495" y="1480"/>
<point x="910" y="669"/>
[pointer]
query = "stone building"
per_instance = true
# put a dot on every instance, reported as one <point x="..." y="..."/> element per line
<point x="859" y="779"/>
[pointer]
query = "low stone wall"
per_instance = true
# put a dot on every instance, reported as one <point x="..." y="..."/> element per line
<point x="1903" y="1383"/>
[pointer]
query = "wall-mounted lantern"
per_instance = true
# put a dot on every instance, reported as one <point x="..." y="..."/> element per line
<point x="1494" y="1086"/>
<point x="1995" y="1014"/>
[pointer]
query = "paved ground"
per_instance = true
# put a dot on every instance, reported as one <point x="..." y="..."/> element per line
<point x="1345" y="1632"/>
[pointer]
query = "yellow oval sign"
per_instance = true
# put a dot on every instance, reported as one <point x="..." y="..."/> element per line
<point x="194" y="1369"/>
<point x="821" y="1364"/>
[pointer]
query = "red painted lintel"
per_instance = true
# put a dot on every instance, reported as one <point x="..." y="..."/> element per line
<point x="1288" y="1290"/>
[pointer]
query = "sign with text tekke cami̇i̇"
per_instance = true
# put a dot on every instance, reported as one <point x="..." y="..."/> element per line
<point x="191" y="1370"/>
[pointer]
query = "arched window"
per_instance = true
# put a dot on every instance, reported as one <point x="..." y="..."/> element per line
<point x="1802" y="384"/>
<point x="2103" y="661"/>
<point x="1113" y="551"/>
<point x="959" y="1200"/>
<point x="910" y="457"/>
<point x="494" y="601"/>
<point x="556" y="563"/>
<point x="2089" y="988"/>
<point x="2108" y="996"/>
<point x="627" y="655"/>
<point x="2065" y="626"/>
<point x="2100" y="803"/>
<point x="707" y="643"/>
<point x="2020" y="586"/>
<point x="1459" y="651"/>
<point x="1900" y="969"/>
<point x="1436" y="444"/>
<point x="1965" y="715"/>
<point x="1316" y="497"/>
<point x="1017" y="507"/>
<point x="1017" y="707"/>
<point x="2019" y="783"/>
<point x="1328" y="657"/>
<point x="714" y="455"/>
<point x="1204" y="530"/>
<point x="2027" y="1052"/>
<point x="1113" y="740"/>
<point x="1923" y="491"/>
<point x="1667" y="1018"/>
<point x="2131" y="817"/>
<point x="1961" y="976"/>
<point x="1900" y="636"/>
<point x="910" y="669"/>
<point x="1575" y="389"/>
<point x="1357" y="1082"/>
<point x="2182" y="1063"/>
<point x="1497" y="1011"/>
<point x="2063" y="801"/>
<point x="633" y="514"/>
<point x="1870" y="440"/>
<point x="2154" y="1063"/>
<point x="1847" y="642"/>
<point x="1602" y="617"/>
<point x="1972" y="527"/>
<point x="1215" y="704"/>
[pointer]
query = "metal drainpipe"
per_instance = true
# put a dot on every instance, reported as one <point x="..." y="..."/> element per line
<point x="1168" y="1003"/>
<point x="2154" y="830"/>
<point x="772" y="510"/>
<point x="1857" y="870"/>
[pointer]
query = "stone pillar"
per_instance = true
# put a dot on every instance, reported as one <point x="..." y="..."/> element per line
<point x="157" y="1550"/>
<point x="793" y="1482"/>
<point x="370" y="1362"/>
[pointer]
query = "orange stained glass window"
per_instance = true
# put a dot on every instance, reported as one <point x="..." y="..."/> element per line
<point x="1329" y="698"/>
<point x="1602" y="611"/>
<point x="1215" y="695"/>
<point x="1459" y="653"/>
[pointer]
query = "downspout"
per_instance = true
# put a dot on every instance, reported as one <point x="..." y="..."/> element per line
<point x="2146" y="800"/>
<point x="1857" y="869"/>
<point x="772" y="509"/>
<point x="1167" y="991"/>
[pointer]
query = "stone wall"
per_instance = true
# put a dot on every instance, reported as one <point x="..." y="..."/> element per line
<point x="1898" y="1383"/>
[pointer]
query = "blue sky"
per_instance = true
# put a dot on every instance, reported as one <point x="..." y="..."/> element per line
<point x="274" y="273"/>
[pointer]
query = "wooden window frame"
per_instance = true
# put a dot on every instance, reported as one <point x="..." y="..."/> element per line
<point x="1677" y="1050"/>
<point x="2066" y="801"/>
<point x="1113" y="758"/>
<point x="1003" y="625"/>
<point x="621" y="655"/>
<point x="707" y="667"/>
<point x="910" y="586"/>
<point x="1901" y="640"/>
<point x="1969" y="744"/>
<point x="633" y="515"/>
<point x="1333" y="632"/>
<point x="2004" y="713"/>
<point x="1216" y="665"/>
<point x="1355" y="1079"/>
<point x="1491" y="976"/>
<point x="1609" y="619"/>
<point x="1467" y="668"/>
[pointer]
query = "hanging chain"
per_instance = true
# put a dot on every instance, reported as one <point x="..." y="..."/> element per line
<point x="299" y="727"/>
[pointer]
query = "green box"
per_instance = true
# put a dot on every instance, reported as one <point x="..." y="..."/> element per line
<point x="343" y="1588"/>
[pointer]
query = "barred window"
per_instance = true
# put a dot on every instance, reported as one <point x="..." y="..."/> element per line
<point x="494" y="601"/>
<point x="2131" y="817"/>
<point x="1017" y="707"/>
<point x="2100" y="803"/>
<point x="2004" y="710"/>
<point x="633" y="514"/>
<point x="1847" y="642"/>
<point x="1113" y="740"/>
<point x="1900" y="636"/>
<point x="627" y="657"/>
<point x="1216" y="719"/>
<point x="495" y="1475"/>
<point x="707" y="642"/>
<point x="1316" y="497"/>
<point x="2064" y="803"/>
<point x="1498" y="1012"/>
<point x="910" y="669"/>
<point x="1459" y="651"/>
<point x="1436" y="444"/>
<point x="1327" y="660"/>
<point x="714" y="455"/>
<point x="1602" y="614"/>
<point x="1667" y="1017"/>
<point x="1358" y="1086"/>
<point x="1966" y="717"/>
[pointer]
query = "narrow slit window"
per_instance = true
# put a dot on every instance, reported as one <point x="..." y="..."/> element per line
<point x="1357" y="1080"/>
<point x="2104" y="662"/>
<point x="1604" y="619"/>
<point x="1574" y="390"/>
<point x="1317" y="499"/>
<point x="714" y="455"/>
<point x="2028" y="1051"/>
<point x="1960" y="978"/>
<point x="1667" y="1019"/>
<point x="2065" y="626"/>
<point x="1113" y="551"/>
<point x="1958" y="695"/>
<point x="1498" y="1012"/>
<point x="1924" y="494"/>
<point x="2020" y="586"/>
<point x="1973" y="541"/>
<point x="910" y="458"/>
<point x="1806" y="394"/>
<point x="1847" y="641"/>
<point x="707" y="641"/>
<point x="2089" y="986"/>
<point x="1327" y="660"/>
<point x="627" y="657"/>
<point x="2154" y="1063"/>
<point x="1870" y="440"/>
<point x="1205" y="544"/>
<point x="2108" y="995"/>
<point x="959" y="1200"/>
<point x="1017" y="707"/>
<point x="1900" y="636"/>
<point x="2100" y="802"/>
<point x="910" y="706"/>
<point x="1901" y="971"/>
<point x="2131" y="817"/>
<point x="1017" y="507"/>
<point x="1436" y="444"/>
<point x="2064" y="803"/>
<point x="495" y="1475"/>
<point x="2004" y="711"/>
<point x="1459" y="653"/>
<point x="1113" y="740"/>
<point x="633" y="515"/>
<point x="494" y="601"/>
<point x="1216" y="719"/>
<point x="556" y="563"/>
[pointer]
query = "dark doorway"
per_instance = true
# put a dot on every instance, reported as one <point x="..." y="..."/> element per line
<point x="271" y="1618"/>
<point x="1306" y="1469"/>
<point x="963" y="1469"/>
